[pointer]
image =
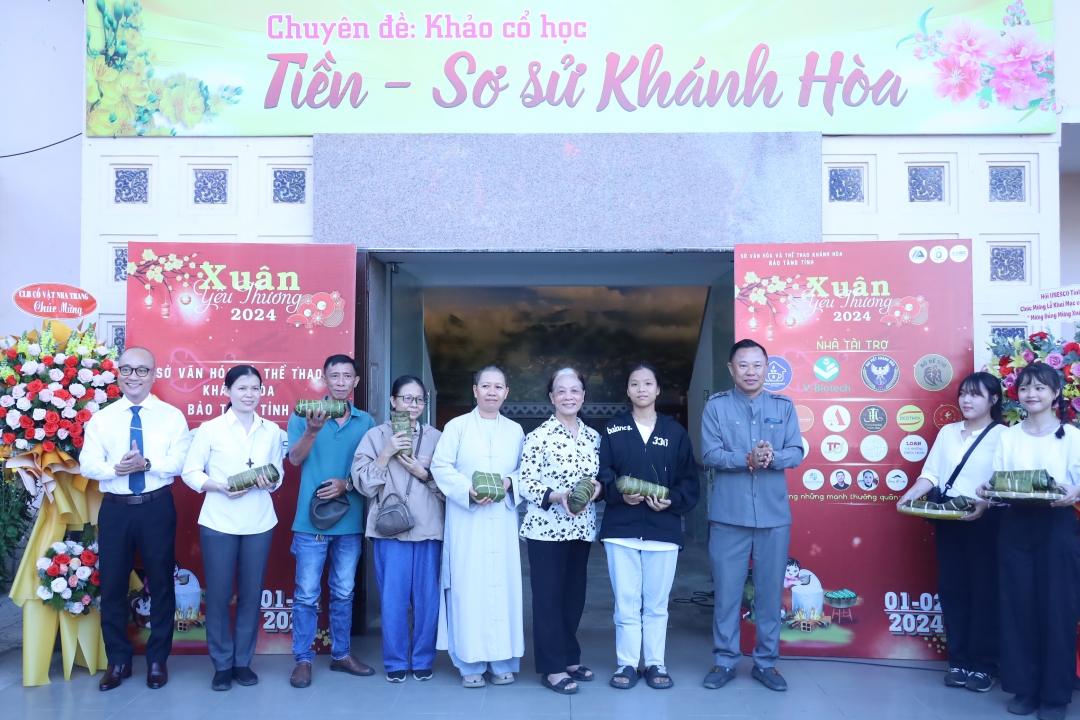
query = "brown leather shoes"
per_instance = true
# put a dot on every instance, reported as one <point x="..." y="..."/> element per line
<point x="156" y="675"/>
<point x="114" y="675"/>
<point x="351" y="665"/>
<point x="301" y="675"/>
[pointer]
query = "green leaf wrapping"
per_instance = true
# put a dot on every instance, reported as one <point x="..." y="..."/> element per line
<point x="246" y="479"/>
<point x="1023" y="481"/>
<point x="580" y="495"/>
<point x="633" y="486"/>
<point x="399" y="422"/>
<point x="332" y="408"/>
<point x="488" y="485"/>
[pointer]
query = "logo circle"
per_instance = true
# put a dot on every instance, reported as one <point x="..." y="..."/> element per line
<point x="806" y="417"/>
<point x="834" y="448"/>
<point x="873" y="418"/>
<point x="867" y="480"/>
<point x="777" y="374"/>
<point x="836" y="418"/>
<point x="873" y="448"/>
<point x="939" y="254"/>
<point x="913" y="448"/>
<point x="813" y="479"/>
<point x="933" y="372"/>
<point x="958" y="253"/>
<point x="805" y="448"/>
<point x="826" y="369"/>
<point x="896" y="480"/>
<point x="910" y="418"/>
<point x="840" y="479"/>
<point x="947" y="414"/>
<point x="880" y="373"/>
<point x="917" y="254"/>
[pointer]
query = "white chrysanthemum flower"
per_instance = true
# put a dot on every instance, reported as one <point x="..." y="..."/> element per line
<point x="43" y="563"/>
<point x="58" y="585"/>
<point x="83" y="572"/>
<point x="44" y="593"/>
<point x="22" y="403"/>
<point x="38" y="414"/>
<point x="77" y="390"/>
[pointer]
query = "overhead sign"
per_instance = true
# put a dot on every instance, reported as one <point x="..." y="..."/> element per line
<point x="853" y="323"/>
<point x="54" y="301"/>
<point x="300" y="67"/>
<point x="1061" y="304"/>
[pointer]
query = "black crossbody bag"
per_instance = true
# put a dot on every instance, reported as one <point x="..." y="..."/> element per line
<point x="937" y="495"/>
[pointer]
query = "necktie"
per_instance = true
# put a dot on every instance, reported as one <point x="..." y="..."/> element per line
<point x="136" y="480"/>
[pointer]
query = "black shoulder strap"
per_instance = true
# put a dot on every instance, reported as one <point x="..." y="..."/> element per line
<point x="963" y="460"/>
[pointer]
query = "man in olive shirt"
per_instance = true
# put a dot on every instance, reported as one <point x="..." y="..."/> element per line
<point x="749" y="437"/>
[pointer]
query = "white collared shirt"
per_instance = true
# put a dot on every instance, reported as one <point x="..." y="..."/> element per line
<point x="947" y="452"/>
<point x="222" y="448"/>
<point x="107" y="438"/>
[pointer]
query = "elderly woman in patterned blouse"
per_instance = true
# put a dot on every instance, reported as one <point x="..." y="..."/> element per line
<point x="556" y="456"/>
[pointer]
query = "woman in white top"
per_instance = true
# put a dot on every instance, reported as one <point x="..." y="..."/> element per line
<point x="558" y="454"/>
<point x="1038" y="553"/>
<point x="235" y="528"/>
<point x="967" y="581"/>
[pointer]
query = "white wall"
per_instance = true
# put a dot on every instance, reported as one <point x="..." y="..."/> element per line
<point x="44" y="44"/>
<point x="1067" y="58"/>
<point x="1070" y="229"/>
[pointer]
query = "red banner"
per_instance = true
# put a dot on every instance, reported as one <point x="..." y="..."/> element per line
<point x="203" y="308"/>
<point x="871" y="341"/>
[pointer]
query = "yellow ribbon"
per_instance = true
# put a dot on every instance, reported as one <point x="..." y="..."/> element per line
<point x="71" y="501"/>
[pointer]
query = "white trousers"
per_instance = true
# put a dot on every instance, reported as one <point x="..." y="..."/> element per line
<point x="642" y="581"/>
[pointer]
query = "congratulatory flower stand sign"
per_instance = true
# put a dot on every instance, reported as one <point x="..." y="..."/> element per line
<point x="202" y="67"/>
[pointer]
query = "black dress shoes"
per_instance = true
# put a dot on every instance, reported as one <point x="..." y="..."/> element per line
<point x="156" y="675"/>
<point x="114" y="675"/>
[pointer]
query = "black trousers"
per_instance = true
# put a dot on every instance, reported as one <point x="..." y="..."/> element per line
<point x="1039" y="553"/>
<point x="149" y="528"/>
<point x="968" y="589"/>
<point x="558" y="574"/>
<point x="228" y="558"/>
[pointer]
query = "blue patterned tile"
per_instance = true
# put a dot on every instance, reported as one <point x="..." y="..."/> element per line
<point x="120" y="262"/>
<point x="212" y="187"/>
<point x="1007" y="333"/>
<point x="119" y="337"/>
<point x="290" y="186"/>
<point x="1008" y="264"/>
<point x="1007" y="184"/>
<point x="131" y="185"/>
<point x="926" y="184"/>
<point x="845" y="185"/>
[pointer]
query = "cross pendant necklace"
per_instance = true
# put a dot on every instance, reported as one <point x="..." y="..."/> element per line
<point x="250" y="464"/>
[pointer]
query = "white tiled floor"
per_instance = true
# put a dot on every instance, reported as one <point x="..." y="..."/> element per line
<point x="818" y="689"/>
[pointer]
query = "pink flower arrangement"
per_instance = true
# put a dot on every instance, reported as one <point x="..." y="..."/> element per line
<point x="1013" y="69"/>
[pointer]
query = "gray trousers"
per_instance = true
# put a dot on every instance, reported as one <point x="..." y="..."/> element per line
<point x="226" y="558"/>
<point x="730" y="548"/>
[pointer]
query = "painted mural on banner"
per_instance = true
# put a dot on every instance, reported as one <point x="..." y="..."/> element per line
<point x="202" y="67"/>
<point x="202" y="308"/>
<point x="871" y="341"/>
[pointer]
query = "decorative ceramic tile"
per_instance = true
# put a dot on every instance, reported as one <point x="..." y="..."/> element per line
<point x="131" y="185"/>
<point x="926" y="184"/>
<point x="290" y="186"/>
<point x="119" y="337"/>
<point x="1007" y="333"/>
<point x="212" y="187"/>
<point x="1008" y="264"/>
<point x="120" y="262"/>
<point x="845" y="185"/>
<point x="1006" y="184"/>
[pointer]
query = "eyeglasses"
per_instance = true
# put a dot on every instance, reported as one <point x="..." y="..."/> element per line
<point x="409" y="399"/>
<point x="126" y="370"/>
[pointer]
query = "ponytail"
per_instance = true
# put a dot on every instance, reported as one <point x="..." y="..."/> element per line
<point x="1063" y="414"/>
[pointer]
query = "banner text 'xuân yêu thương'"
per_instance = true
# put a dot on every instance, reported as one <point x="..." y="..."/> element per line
<point x="206" y="68"/>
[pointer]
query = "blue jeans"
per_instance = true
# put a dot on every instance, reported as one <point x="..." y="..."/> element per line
<point x="310" y="552"/>
<point x="408" y="575"/>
